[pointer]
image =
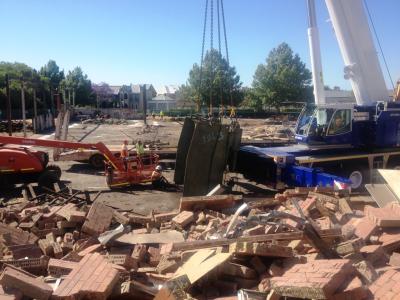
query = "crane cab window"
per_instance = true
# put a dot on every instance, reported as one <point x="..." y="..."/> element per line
<point x="340" y="122"/>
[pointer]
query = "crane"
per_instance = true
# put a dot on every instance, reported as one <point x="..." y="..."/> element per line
<point x="25" y="161"/>
<point x="344" y="139"/>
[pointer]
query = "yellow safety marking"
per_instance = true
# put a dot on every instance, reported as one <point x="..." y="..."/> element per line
<point x="119" y="184"/>
<point x="27" y="169"/>
<point x="115" y="167"/>
<point x="10" y="170"/>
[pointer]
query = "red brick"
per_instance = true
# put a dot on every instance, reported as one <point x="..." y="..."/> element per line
<point x="22" y="251"/>
<point x="260" y="249"/>
<point x="390" y="241"/>
<point x="154" y="256"/>
<point x="365" y="228"/>
<point x="297" y="282"/>
<point x="93" y="278"/>
<point x="90" y="249"/>
<point x="58" y="267"/>
<point x="28" y="284"/>
<point x="71" y="214"/>
<point x="16" y="236"/>
<point x="395" y="259"/>
<point x="183" y="219"/>
<point x="122" y="260"/>
<point x="383" y="217"/>
<point x="165" y="217"/>
<point x="98" y="219"/>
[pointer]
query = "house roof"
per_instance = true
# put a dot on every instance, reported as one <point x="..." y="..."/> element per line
<point x="167" y="89"/>
<point x="115" y="89"/>
<point x="163" y="98"/>
<point x="136" y="87"/>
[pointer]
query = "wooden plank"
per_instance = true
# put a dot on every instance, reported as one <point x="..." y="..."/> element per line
<point x="192" y="245"/>
<point x="210" y="202"/>
<point x="31" y="190"/>
<point x="151" y="238"/>
<point x="392" y="178"/>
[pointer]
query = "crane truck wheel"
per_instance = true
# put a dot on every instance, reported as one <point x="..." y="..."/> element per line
<point x="97" y="161"/>
<point x="357" y="179"/>
<point x="49" y="176"/>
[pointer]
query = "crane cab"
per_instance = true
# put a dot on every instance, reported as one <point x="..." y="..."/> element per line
<point x="325" y="126"/>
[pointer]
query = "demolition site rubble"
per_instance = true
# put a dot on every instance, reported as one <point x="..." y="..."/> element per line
<point x="307" y="243"/>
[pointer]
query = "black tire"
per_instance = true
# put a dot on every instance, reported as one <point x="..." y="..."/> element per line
<point x="362" y="178"/>
<point x="97" y="161"/>
<point x="55" y="169"/>
<point x="49" y="176"/>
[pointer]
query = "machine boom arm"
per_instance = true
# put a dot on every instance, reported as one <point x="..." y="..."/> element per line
<point x="117" y="164"/>
<point x="358" y="51"/>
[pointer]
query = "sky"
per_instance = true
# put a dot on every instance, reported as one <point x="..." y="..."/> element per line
<point x="158" y="41"/>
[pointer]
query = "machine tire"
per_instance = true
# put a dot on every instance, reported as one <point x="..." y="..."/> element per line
<point x="97" y="161"/>
<point x="49" y="176"/>
<point x="358" y="178"/>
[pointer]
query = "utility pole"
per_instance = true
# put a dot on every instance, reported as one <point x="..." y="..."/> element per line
<point x="8" y="106"/>
<point x="23" y="106"/>
<point x="144" y="105"/>
<point x="35" y="127"/>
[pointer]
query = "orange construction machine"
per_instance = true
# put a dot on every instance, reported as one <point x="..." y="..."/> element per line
<point x="22" y="162"/>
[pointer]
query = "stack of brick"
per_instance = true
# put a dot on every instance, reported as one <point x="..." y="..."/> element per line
<point x="319" y="279"/>
<point x="94" y="277"/>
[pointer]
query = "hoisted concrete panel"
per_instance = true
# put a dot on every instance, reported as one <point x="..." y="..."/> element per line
<point x="183" y="149"/>
<point x="204" y="150"/>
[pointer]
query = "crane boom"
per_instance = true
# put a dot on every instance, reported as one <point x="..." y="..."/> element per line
<point x="315" y="53"/>
<point x="117" y="164"/>
<point x="356" y="44"/>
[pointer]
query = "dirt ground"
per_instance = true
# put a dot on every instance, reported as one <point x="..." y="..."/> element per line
<point x="140" y="199"/>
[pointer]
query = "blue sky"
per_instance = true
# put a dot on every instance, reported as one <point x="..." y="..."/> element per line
<point x="157" y="41"/>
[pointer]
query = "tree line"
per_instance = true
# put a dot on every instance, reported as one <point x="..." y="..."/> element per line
<point x="282" y="78"/>
<point x="43" y="84"/>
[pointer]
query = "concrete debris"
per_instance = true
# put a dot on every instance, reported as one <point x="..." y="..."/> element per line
<point x="305" y="243"/>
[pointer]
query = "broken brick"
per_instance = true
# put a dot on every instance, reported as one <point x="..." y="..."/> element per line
<point x="28" y="284"/>
<point x="98" y="219"/>
<point x="260" y="249"/>
<point x="58" y="267"/>
<point x="183" y="219"/>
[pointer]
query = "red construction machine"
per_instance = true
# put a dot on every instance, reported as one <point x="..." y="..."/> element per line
<point x="21" y="164"/>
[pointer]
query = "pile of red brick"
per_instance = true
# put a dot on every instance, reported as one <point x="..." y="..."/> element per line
<point x="304" y="243"/>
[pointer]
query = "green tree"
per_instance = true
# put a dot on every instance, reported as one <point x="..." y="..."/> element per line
<point x="283" y="78"/>
<point x="51" y="73"/>
<point x="216" y="81"/>
<point x="17" y="73"/>
<point x="79" y="82"/>
<point x="252" y="100"/>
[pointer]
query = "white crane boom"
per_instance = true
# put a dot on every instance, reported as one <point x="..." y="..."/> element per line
<point x="315" y="53"/>
<point x="356" y="45"/>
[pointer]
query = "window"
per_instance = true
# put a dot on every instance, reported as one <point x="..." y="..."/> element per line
<point x="341" y="122"/>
